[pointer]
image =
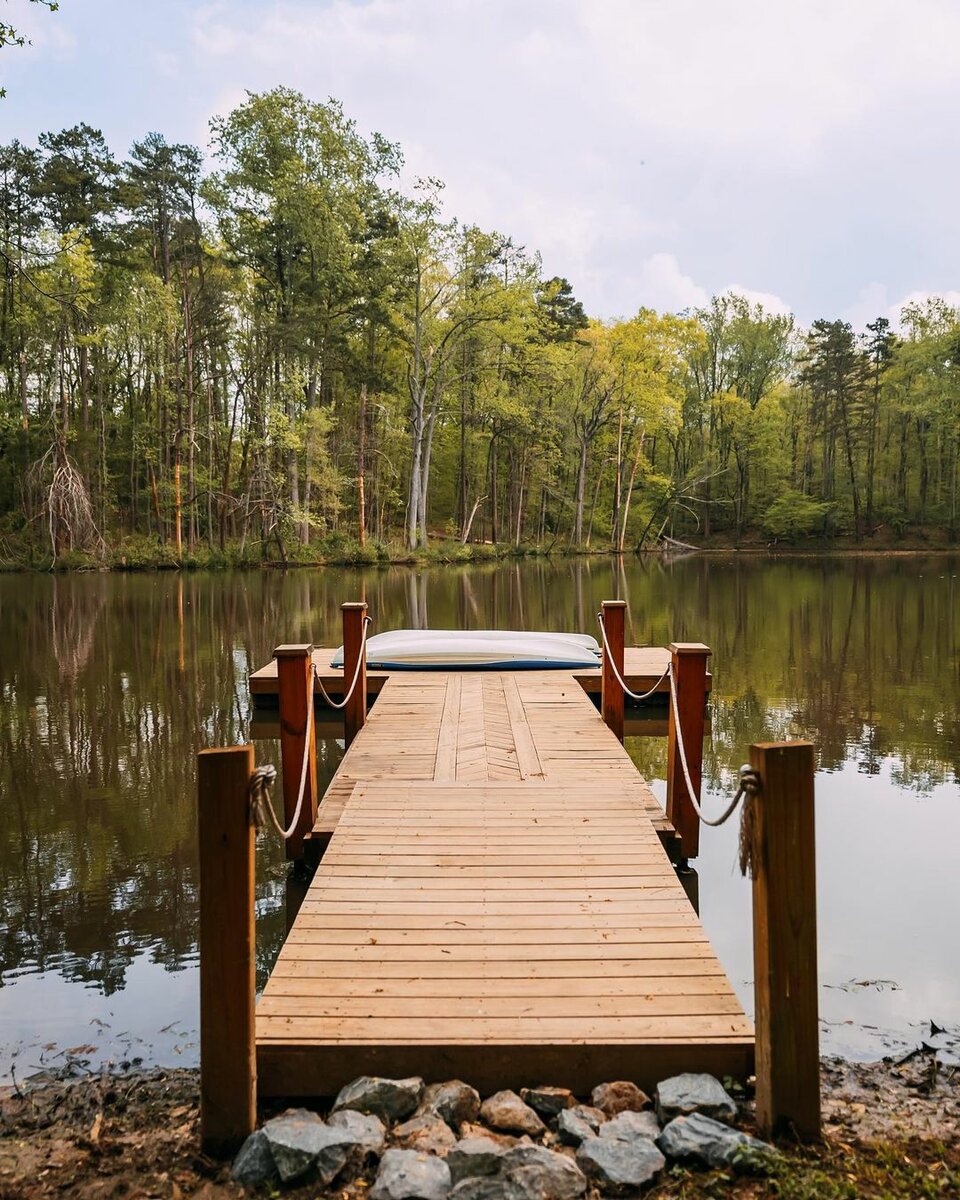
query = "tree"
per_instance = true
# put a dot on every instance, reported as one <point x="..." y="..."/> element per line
<point x="10" y="37"/>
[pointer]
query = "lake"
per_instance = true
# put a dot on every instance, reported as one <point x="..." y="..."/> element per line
<point x="111" y="683"/>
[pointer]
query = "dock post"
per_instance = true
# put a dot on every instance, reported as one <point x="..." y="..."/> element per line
<point x="354" y="647"/>
<point x="612" y="613"/>
<point x="689" y="668"/>
<point x="785" y="941"/>
<point x="295" y="685"/>
<point x="228" y="1079"/>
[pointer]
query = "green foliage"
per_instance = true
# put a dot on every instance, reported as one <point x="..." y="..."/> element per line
<point x="235" y="362"/>
<point x="794" y="515"/>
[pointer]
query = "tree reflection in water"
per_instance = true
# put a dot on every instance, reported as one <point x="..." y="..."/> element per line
<point x="112" y="683"/>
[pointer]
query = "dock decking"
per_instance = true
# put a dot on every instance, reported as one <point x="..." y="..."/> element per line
<point x="494" y="902"/>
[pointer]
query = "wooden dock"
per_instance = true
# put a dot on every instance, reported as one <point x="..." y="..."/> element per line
<point x="643" y="667"/>
<point x="495" y="901"/>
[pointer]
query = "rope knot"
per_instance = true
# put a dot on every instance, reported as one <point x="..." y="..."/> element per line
<point x="258" y="789"/>
<point x="750" y="789"/>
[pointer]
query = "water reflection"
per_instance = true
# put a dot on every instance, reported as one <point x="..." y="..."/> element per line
<point x="110" y="684"/>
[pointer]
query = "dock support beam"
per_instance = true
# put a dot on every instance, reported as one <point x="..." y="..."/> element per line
<point x="785" y="941"/>
<point x="354" y="648"/>
<point x="295" y="684"/>
<point x="689" y="670"/>
<point x="612" y="613"/>
<point x="228" y="1080"/>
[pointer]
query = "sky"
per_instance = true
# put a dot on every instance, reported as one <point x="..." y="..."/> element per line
<point x="654" y="152"/>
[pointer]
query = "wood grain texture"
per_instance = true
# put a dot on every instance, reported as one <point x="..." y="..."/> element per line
<point x="454" y="914"/>
<point x="613" y="614"/>
<point x="689" y="669"/>
<point x="227" y="949"/>
<point x="785" y="941"/>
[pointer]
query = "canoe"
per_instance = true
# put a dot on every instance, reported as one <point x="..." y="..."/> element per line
<point x="478" y="649"/>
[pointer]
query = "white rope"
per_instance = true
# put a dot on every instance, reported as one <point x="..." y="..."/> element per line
<point x="749" y="784"/>
<point x="356" y="674"/>
<point x="748" y="780"/>
<point x="262" y="780"/>
<point x="619" y="678"/>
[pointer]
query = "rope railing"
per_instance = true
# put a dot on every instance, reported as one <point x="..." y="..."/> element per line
<point x="356" y="674"/>
<point x="616" y="672"/>
<point x="263" y="778"/>
<point x="749" y="784"/>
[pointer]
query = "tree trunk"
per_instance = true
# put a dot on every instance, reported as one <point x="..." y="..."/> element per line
<point x="580" y="493"/>
<point x="361" y="466"/>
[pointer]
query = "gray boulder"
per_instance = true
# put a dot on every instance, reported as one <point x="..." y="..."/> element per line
<point x="542" y="1174"/>
<point x="631" y="1126"/>
<point x="299" y="1140"/>
<point x="481" y="1187"/>
<point x="407" y="1175"/>
<point x="620" y="1168"/>
<point x="547" y="1102"/>
<point x="505" y="1110"/>
<point x="365" y="1132"/>
<point x="475" y="1157"/>
<point x="454" y="1102"/>
<point x="574" y="1128"/>
<point x="254" y="1163"/>
<point x="619" y="1096"/>
<point x="389" y="1099"/>
<point x="700" y="1139"/>
<point x="684" y="1094"/>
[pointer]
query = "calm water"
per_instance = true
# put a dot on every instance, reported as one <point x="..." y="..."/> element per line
<point x="110" y="684"/>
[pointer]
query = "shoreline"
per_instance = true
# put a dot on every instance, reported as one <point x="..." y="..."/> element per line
<point x="888" y="1129"/>
<point x="438" y="554"/>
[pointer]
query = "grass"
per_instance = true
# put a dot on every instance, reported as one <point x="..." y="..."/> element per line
<point x="834" y="1170"/>
<point x="142" y="553"/>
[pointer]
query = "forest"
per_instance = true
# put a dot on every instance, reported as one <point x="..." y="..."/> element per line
<point x="274" y="351"/>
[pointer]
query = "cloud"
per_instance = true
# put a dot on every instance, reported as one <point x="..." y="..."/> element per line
<point x="651" y="152"/>
<point x="771" y="304"/>
<point x="660" y="284"/>
<point x="873" y="300"/>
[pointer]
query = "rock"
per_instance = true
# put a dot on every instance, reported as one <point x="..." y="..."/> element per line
<point x="389" y="1099"/>
<point x="632" y="1126"/>
<point x="706" y="1141"/>
<point x="537" y="1173"/>
<point x="363" y="1130"/>
<point x="299" y="1140"/>
<point x="620" y="1167"/>
<point x="426" y="1132"/>
<point x="254" y="1163"/>
<point x="480" y="1187"/>
<point x="473" y="1157"/>
<point x="684" y="1094"/>
<point x="502" y="1139"/>
<point x="620" y="1096"/>
<point x="454" y="1102"/>
<point x="407" y="1175"/>
<point x="577" y="1124"/>
<point x="505" y="1110"/>
<point x="546" y="1102"/>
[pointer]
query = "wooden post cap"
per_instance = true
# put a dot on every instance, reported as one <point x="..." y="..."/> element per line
<point x="689" y="648"/>
<point x="362" y="604"/>
<point x="614" y="604"/>
<point x="294" y="650"/>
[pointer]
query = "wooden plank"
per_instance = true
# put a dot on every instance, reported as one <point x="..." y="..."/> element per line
<point x="295" y="1070"/>
<point x="445" y="766"/>
<point x="471" y="896"/>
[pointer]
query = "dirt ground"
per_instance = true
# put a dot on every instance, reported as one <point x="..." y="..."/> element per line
<point x="889" y="1130"/>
